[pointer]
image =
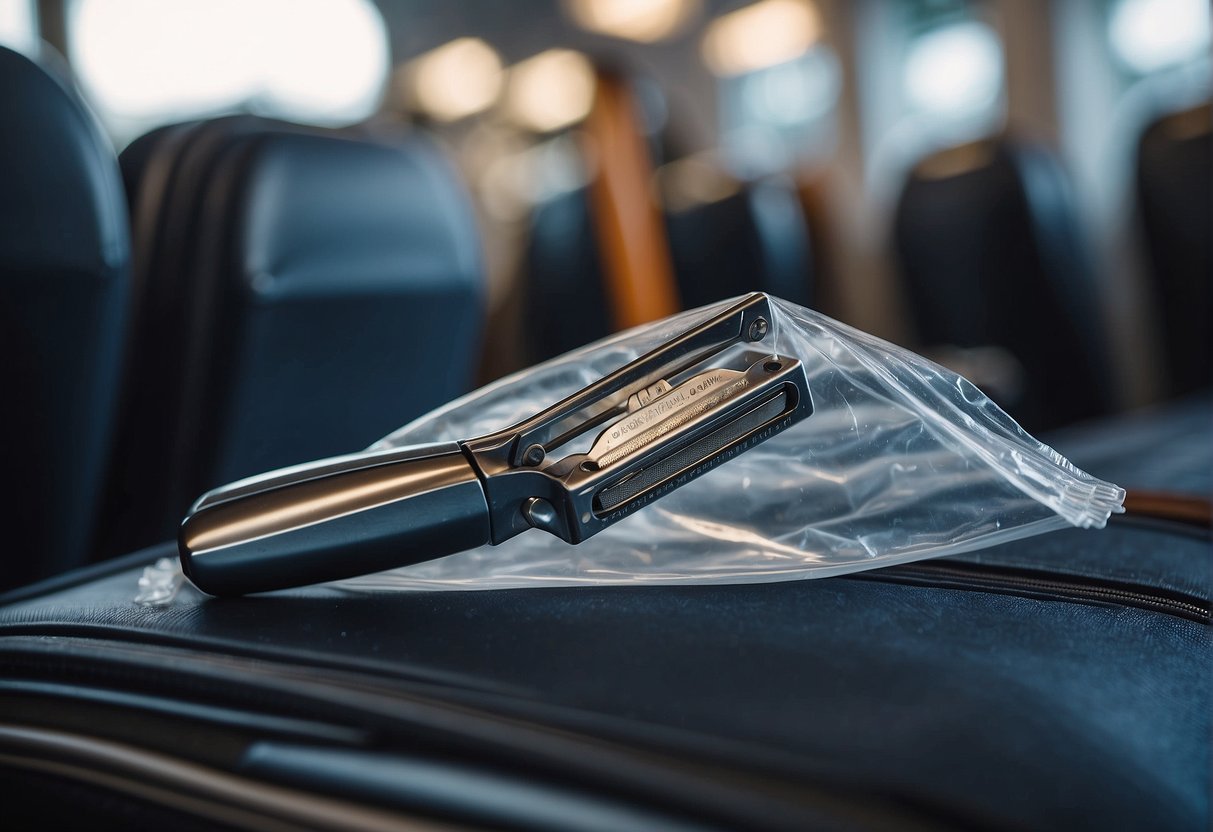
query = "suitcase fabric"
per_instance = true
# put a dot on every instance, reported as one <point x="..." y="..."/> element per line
<point x="1052" y="683"/>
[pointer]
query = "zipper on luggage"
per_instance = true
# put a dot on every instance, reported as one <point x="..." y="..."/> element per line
<point x="1008" y="580"/>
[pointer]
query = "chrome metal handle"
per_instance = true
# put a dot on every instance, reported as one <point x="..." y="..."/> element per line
<point x="334" y="518"/>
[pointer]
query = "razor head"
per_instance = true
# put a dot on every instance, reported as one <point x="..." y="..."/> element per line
<point x="699" y="424"/>
<point x="654" y="425"/>
<point x="670" y="410"/>
<point x="673" y="458"/>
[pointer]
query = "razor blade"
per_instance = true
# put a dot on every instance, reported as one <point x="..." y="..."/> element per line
<point x="585" y="463"/>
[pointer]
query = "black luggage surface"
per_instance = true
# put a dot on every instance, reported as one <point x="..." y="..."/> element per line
<point x="1053" y="683"/>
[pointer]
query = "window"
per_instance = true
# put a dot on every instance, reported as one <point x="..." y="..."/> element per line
<point x="146" y="62"/>
<point x="1152" y="35"/>
<point x="955" y="72"/>
<point x="19" y="26"/>
<point x="931" y="75"/>
<point x="778" y="86"/>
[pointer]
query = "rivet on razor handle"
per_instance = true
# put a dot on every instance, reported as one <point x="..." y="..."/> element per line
<point x="573" y="469"/>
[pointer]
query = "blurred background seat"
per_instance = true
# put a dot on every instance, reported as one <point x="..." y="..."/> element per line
<point x="998" y="280"/>
<point x="64" y="257"/>
<point x="691" y="229"/>
<point x="305" y="293"/>
<point x="754" y="239"/>
<point x="1175" y="207"/>
<point x="598" y="257"/>
<point x="566" y="302"/>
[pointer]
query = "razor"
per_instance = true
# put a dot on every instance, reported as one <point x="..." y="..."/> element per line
<point x="573" y="469"/>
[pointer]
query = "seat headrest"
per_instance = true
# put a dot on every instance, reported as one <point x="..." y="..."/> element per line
<point x="61" y="206"/>
<point x="378" y="210"/>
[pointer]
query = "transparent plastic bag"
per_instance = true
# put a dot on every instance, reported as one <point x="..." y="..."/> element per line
<point x="901" y="460"/>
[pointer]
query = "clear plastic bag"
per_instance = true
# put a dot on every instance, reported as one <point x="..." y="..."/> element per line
<point x="901" y="460"/>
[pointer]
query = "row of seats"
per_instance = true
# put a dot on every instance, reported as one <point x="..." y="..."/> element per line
<point x="997" y="274"/>
<point x="989" y="245"/>
<point x="275" y="294"/>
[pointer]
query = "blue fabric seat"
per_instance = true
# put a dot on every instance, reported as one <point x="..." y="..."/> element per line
<point x="64" y="290"/>
<point x="1175" y="207"/>
<point x="991" y="256"/>
<point x="305" y="292"/>
<point x="755" y="239"/>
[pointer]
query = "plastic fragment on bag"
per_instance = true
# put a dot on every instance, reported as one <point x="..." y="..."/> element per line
<point x="160" y="583"/>
<point x="901" y="460"/>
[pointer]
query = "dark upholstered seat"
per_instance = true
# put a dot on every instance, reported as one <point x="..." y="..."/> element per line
<point x="991" y="254"/>
<point x="1175" y="206"/>
<point x="64" y="287"/>
<point x="755" y="239"/>
<point x="304" y="293"/>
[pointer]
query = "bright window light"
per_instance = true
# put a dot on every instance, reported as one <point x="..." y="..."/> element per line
<point x="513" y="183"/>
<point x="1149" y="35"/>
<point x="18" y="25"/>
<point x="551" y="90"/>
<point x="765" y="34"/>
<point x="693" y="181"/>
<point x="645" y="21"/>
<point x="782" y="116"/>
<point x="330" y="62"/>
<point x="323" y="61"/>
<point x="794" y="92"/>
<point x="955" y="71"/>
<point x="456" y="80"/>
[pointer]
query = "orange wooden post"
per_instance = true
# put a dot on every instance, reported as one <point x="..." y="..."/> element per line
<point x="637" y="268"/>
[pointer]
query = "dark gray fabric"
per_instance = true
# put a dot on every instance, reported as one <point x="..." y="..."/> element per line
<point x="976" y="709"/>
<point x="1167" y="447"/>
<point x="1006" y="711"/>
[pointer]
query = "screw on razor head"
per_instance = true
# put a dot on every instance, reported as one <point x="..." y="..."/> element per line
<point x="758" y="329"/>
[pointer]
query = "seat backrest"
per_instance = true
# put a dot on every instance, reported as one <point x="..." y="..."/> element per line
<point x="598" y="259"/>
<point x="990" y="252"/>
<point x="326" y="289"/>
<point x="755" y="239"/>
<point x="163" y="174"/>
<point x="64" y="287"/>
<point x="1175" y="206"/>
<point x="566" y="302"/>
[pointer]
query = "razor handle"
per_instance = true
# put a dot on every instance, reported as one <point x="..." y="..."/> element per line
<point x="333" y="519"/>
